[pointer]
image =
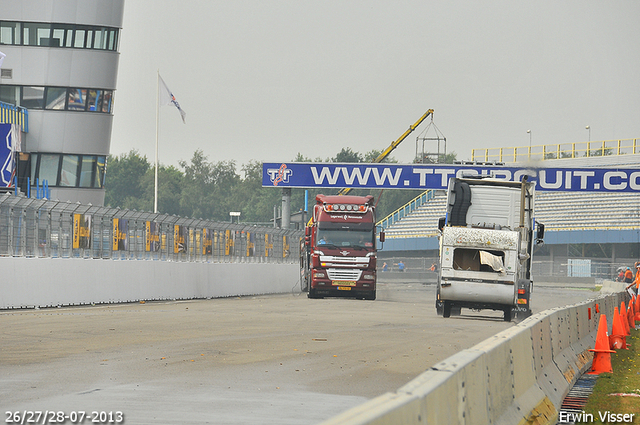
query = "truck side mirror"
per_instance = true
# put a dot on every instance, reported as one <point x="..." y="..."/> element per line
<point x="540" y="233"/>
<point x="307" y="236"/>
<point x="382" y="236"/>
<point x="441" y="222"/>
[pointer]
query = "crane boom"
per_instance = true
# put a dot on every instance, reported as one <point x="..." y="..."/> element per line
<point x="393" y="145"/>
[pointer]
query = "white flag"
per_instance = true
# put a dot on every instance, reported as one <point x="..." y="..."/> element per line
<point x="2" y="56"/>
<point x="166" y="98"/>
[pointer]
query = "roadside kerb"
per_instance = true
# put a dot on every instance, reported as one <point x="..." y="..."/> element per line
<point x="519" y="376"/>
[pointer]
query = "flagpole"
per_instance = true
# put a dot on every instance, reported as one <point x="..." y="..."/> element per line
<point x="155" y="198"/>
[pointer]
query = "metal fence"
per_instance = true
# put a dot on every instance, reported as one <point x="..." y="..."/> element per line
<point x="41" y="228"/>
<point x="557" y="151"/>
<point x="11" y="114"/>
<point x="597" y="268"/>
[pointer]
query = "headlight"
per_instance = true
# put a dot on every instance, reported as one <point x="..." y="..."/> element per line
<point x="319" y="274"/>
<point x="368" y="276"/>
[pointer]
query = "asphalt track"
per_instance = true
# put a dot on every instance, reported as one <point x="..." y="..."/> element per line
<point x="277" y="359"/>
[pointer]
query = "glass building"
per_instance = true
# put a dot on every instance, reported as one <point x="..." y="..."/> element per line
<point x="61" y="64"/>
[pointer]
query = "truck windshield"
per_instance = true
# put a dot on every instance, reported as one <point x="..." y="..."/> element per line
<point x="345" y="238"/>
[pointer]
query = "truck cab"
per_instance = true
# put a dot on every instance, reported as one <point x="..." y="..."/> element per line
<point x="486" y="247"/>
<point x="339" y="250"/>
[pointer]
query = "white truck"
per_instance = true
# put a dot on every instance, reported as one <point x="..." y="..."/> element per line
<point x="486" y="247"/>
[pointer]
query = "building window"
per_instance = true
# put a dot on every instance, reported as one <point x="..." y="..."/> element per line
<point x="106" y="103"/>
<point x="48" y="166"/>
<point x="32" y="97"/>
<point x="86" y="174"/>
<point x="80" y="37"/>
<point x="77" y="100"/>
<point x="100" y="169"/>
<point x="68" y="170"/>
<point x="69" y="173"/>
<point x="9" y="32"/>
<point x="94" y="100"/>
<point x="63" y="34"/>
<point x="46" y="34"/>
<point x="113" y="39"/>
<point x="10" y="94"/>
<point x="58" y="98"/>
<point x="37" y="34"/>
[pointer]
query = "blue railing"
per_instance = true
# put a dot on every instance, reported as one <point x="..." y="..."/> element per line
<point x="41" y="189"/>
<point x="407" y="208"/>
<point x="11" y="114"/>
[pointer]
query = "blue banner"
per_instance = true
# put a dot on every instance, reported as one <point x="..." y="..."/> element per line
<point x="436" y="176"/>
<point x="6" y="156"/>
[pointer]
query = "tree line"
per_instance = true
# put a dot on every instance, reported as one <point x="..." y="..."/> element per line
<point x="210" y="190"/>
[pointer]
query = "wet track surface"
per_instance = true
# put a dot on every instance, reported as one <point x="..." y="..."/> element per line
<point x="276" y="359"/>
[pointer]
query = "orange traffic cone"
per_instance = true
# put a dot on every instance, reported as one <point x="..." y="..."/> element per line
<point x="617" y="339"/>
<point x="631" y="315"/>
<point x="625" y="319"/>
<point x="601" y="353"/>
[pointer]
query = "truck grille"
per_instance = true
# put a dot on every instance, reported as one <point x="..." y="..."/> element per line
<point x="344" y="274"/>
<point x="344" y="260"/>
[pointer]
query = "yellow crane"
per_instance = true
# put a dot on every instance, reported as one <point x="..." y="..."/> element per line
<point x="393" y="145"/>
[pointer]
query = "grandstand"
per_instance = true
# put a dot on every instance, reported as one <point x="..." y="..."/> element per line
<point x="557" y="210"/>
<point x="570" y="218"/>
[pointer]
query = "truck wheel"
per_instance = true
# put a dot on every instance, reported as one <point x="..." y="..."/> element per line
<point x="446" y="309"/>
<point x="370" y="297"/>
<point x="507" y="314"/>
<point x="439" y="308"/>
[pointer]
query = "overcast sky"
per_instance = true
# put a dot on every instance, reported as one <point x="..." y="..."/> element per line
<point x="263" y="80"/>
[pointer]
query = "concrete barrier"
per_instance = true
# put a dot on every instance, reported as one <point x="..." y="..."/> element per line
<point x="519" y="376"/>
<point x="610" y="286"/>
<point x="46" y="282"/>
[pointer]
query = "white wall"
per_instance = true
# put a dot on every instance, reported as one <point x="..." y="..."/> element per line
<point x="44" y="282"/>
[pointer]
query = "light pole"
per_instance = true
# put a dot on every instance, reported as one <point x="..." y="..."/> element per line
<point x="588" y="128"/>
<point x="529" y="131"/>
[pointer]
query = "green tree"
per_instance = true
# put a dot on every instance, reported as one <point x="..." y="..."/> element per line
<point x="210" y="190"/>
<point x="448" y="158"/>
<point x="373" y="154"/>
<point x="208" y="187"/>
<point x="301" y="158"/>
<point x="124" y="178"/>
<point x="254" y="201"/>
<point x="347" y="155"/>
<point x="170" y="182"/>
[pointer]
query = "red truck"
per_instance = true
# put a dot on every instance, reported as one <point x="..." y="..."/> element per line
<point x="338" y="253"/>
